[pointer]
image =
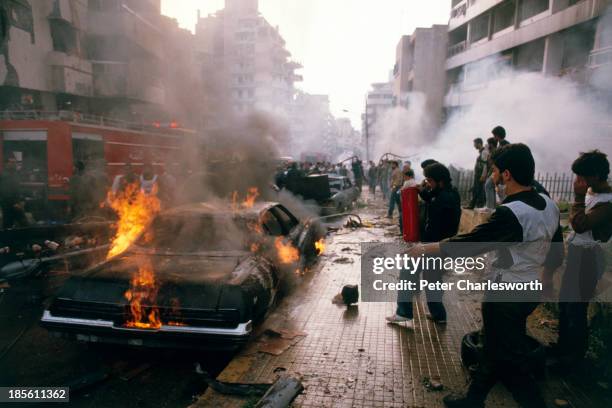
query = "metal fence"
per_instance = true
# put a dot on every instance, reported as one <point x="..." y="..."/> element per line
<point x="560" y="186"/>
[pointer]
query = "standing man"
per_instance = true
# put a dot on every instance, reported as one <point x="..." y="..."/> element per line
<point x="499" y="133"/>
<point x="357" y="168"/>
<point x="591" y="220"/>
<point x="489" y="186"/>
<point x="525" y="218"/>
<point x="372" y="178"/>
<point x="397" y="180"/>
<point x="13" y="213"/>
<point x="480" y="174"/>
<point x="443" y="216"/>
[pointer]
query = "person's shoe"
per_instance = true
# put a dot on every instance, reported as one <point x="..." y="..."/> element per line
<point x="397" y="319"/>
<point x="461" y="401"/>
<point x="437" y="321"/>
<point x="390" y="217"/>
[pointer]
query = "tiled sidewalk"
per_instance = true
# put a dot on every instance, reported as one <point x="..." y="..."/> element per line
<point x="350" y="357"/>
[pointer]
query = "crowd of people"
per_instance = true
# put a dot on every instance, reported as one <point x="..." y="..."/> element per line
<point x="87" y="191"/>
<point x="525" y="215"/>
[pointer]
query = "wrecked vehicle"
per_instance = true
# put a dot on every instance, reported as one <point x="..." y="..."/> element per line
<point x="344" y="193"/>
<point x="325" y="194"/>
<point x="200" y="277"/>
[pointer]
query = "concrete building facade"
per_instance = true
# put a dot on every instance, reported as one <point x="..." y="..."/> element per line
<point x="245" y="61"/>
<point x="555" y="37"/>
<point x="419" y="69"/>
<point x="99" y="57"/>
<point x="378" y="101"/>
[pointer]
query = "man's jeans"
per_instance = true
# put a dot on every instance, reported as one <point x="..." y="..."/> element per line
<point x="394" y="199"/>
<point x="405" y="307"/>
<point x="490" y="193"/>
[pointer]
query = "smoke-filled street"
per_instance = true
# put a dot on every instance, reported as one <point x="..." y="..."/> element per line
<point x="291" y="203"/>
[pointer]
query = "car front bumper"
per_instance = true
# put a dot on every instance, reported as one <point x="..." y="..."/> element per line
<point x="104" y="331"/>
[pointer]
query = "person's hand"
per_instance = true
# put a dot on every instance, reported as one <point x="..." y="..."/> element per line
<point x="580" y="186"/>
<point x="547" y="289"/>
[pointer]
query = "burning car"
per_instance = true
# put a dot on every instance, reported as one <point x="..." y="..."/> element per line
<point x="199" y="276"/>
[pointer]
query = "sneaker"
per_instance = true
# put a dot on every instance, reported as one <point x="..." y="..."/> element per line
<point x="438" y="321"/>
<point x="461" y="401"/>
<point x="396" y="319"/>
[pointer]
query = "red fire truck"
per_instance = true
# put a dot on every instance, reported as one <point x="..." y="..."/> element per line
<point x="47" y="144"/>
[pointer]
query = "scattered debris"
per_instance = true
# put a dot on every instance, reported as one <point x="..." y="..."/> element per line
<point x="432" y="384"/>
<point x="275" y="347"/>
<point x="361" y="350"/>
<point x="344" y="260"/>
<point x="282" y="393"/>
<point x="561" y="403"/>
<point x="285" y="333"/>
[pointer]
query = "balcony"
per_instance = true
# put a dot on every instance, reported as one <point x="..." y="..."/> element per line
<point x="127" y="80"/>
<point x="545" y="25"/>
<point x="456" y="48"/>
<point x="70" y="75"/>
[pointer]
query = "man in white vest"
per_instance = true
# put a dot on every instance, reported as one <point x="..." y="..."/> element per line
<point x="522" y="231"/>
<point x="591" y="220"/>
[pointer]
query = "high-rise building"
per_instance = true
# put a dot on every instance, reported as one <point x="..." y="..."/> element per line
<point x="378" y="101"/>
<point x="419" y="70"/>
<point x="245" y="62"/>
<point x="554" y="37"/>
<point x="111" y="58"/>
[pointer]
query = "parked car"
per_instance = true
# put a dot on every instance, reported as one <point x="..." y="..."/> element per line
<point x="344" y="193"/>
<point x="210" y="284"/>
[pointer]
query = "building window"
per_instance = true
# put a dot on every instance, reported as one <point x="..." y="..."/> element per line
<point x="19" y="13"/>
<point x="503" y="15"/>
<point x="479" y="28"/>
<point x="530" y="8"/>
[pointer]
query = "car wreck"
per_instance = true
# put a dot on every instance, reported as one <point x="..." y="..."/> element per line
<point x="200" y="276"/>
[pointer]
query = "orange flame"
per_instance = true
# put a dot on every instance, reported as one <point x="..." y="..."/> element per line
<point x="320" y="246"/>
<point x="136" y="210"/>
<point x="287" y="253"/>
<point x="248" y="202"/>
<point x="142" y="295"/>
<point x="255" y="247"/>
<point x="252" y="195"/>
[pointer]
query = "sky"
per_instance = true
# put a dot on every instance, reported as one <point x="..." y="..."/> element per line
<point x="344" y="45"/>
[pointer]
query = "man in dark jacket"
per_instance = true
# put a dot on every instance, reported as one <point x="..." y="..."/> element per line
<point x="520" y="231"/>
<point x="443" y="215"/>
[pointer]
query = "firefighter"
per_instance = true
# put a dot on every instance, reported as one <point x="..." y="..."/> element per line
<point x="525" y="217"/>
<point x="148" y="179"/>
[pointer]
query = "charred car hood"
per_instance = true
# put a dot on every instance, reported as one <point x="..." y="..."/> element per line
<point x="196" y="281"/>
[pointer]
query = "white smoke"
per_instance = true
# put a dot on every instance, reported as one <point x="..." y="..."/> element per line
<point x="402" y="130"/>
<point x="555" y="117"/>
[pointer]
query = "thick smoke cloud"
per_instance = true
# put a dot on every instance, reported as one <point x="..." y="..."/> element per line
<point x="556" y="117"/>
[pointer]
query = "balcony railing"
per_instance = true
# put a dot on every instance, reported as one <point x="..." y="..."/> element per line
<point x="81" y="118"/>
<point x="600" y="57"/>
<point x="456" y="48"/>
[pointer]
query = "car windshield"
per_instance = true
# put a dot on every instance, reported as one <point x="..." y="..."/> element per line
<point x="196" y="233"/>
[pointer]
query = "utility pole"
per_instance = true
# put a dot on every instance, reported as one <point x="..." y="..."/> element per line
<point x="367" y="130"/>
